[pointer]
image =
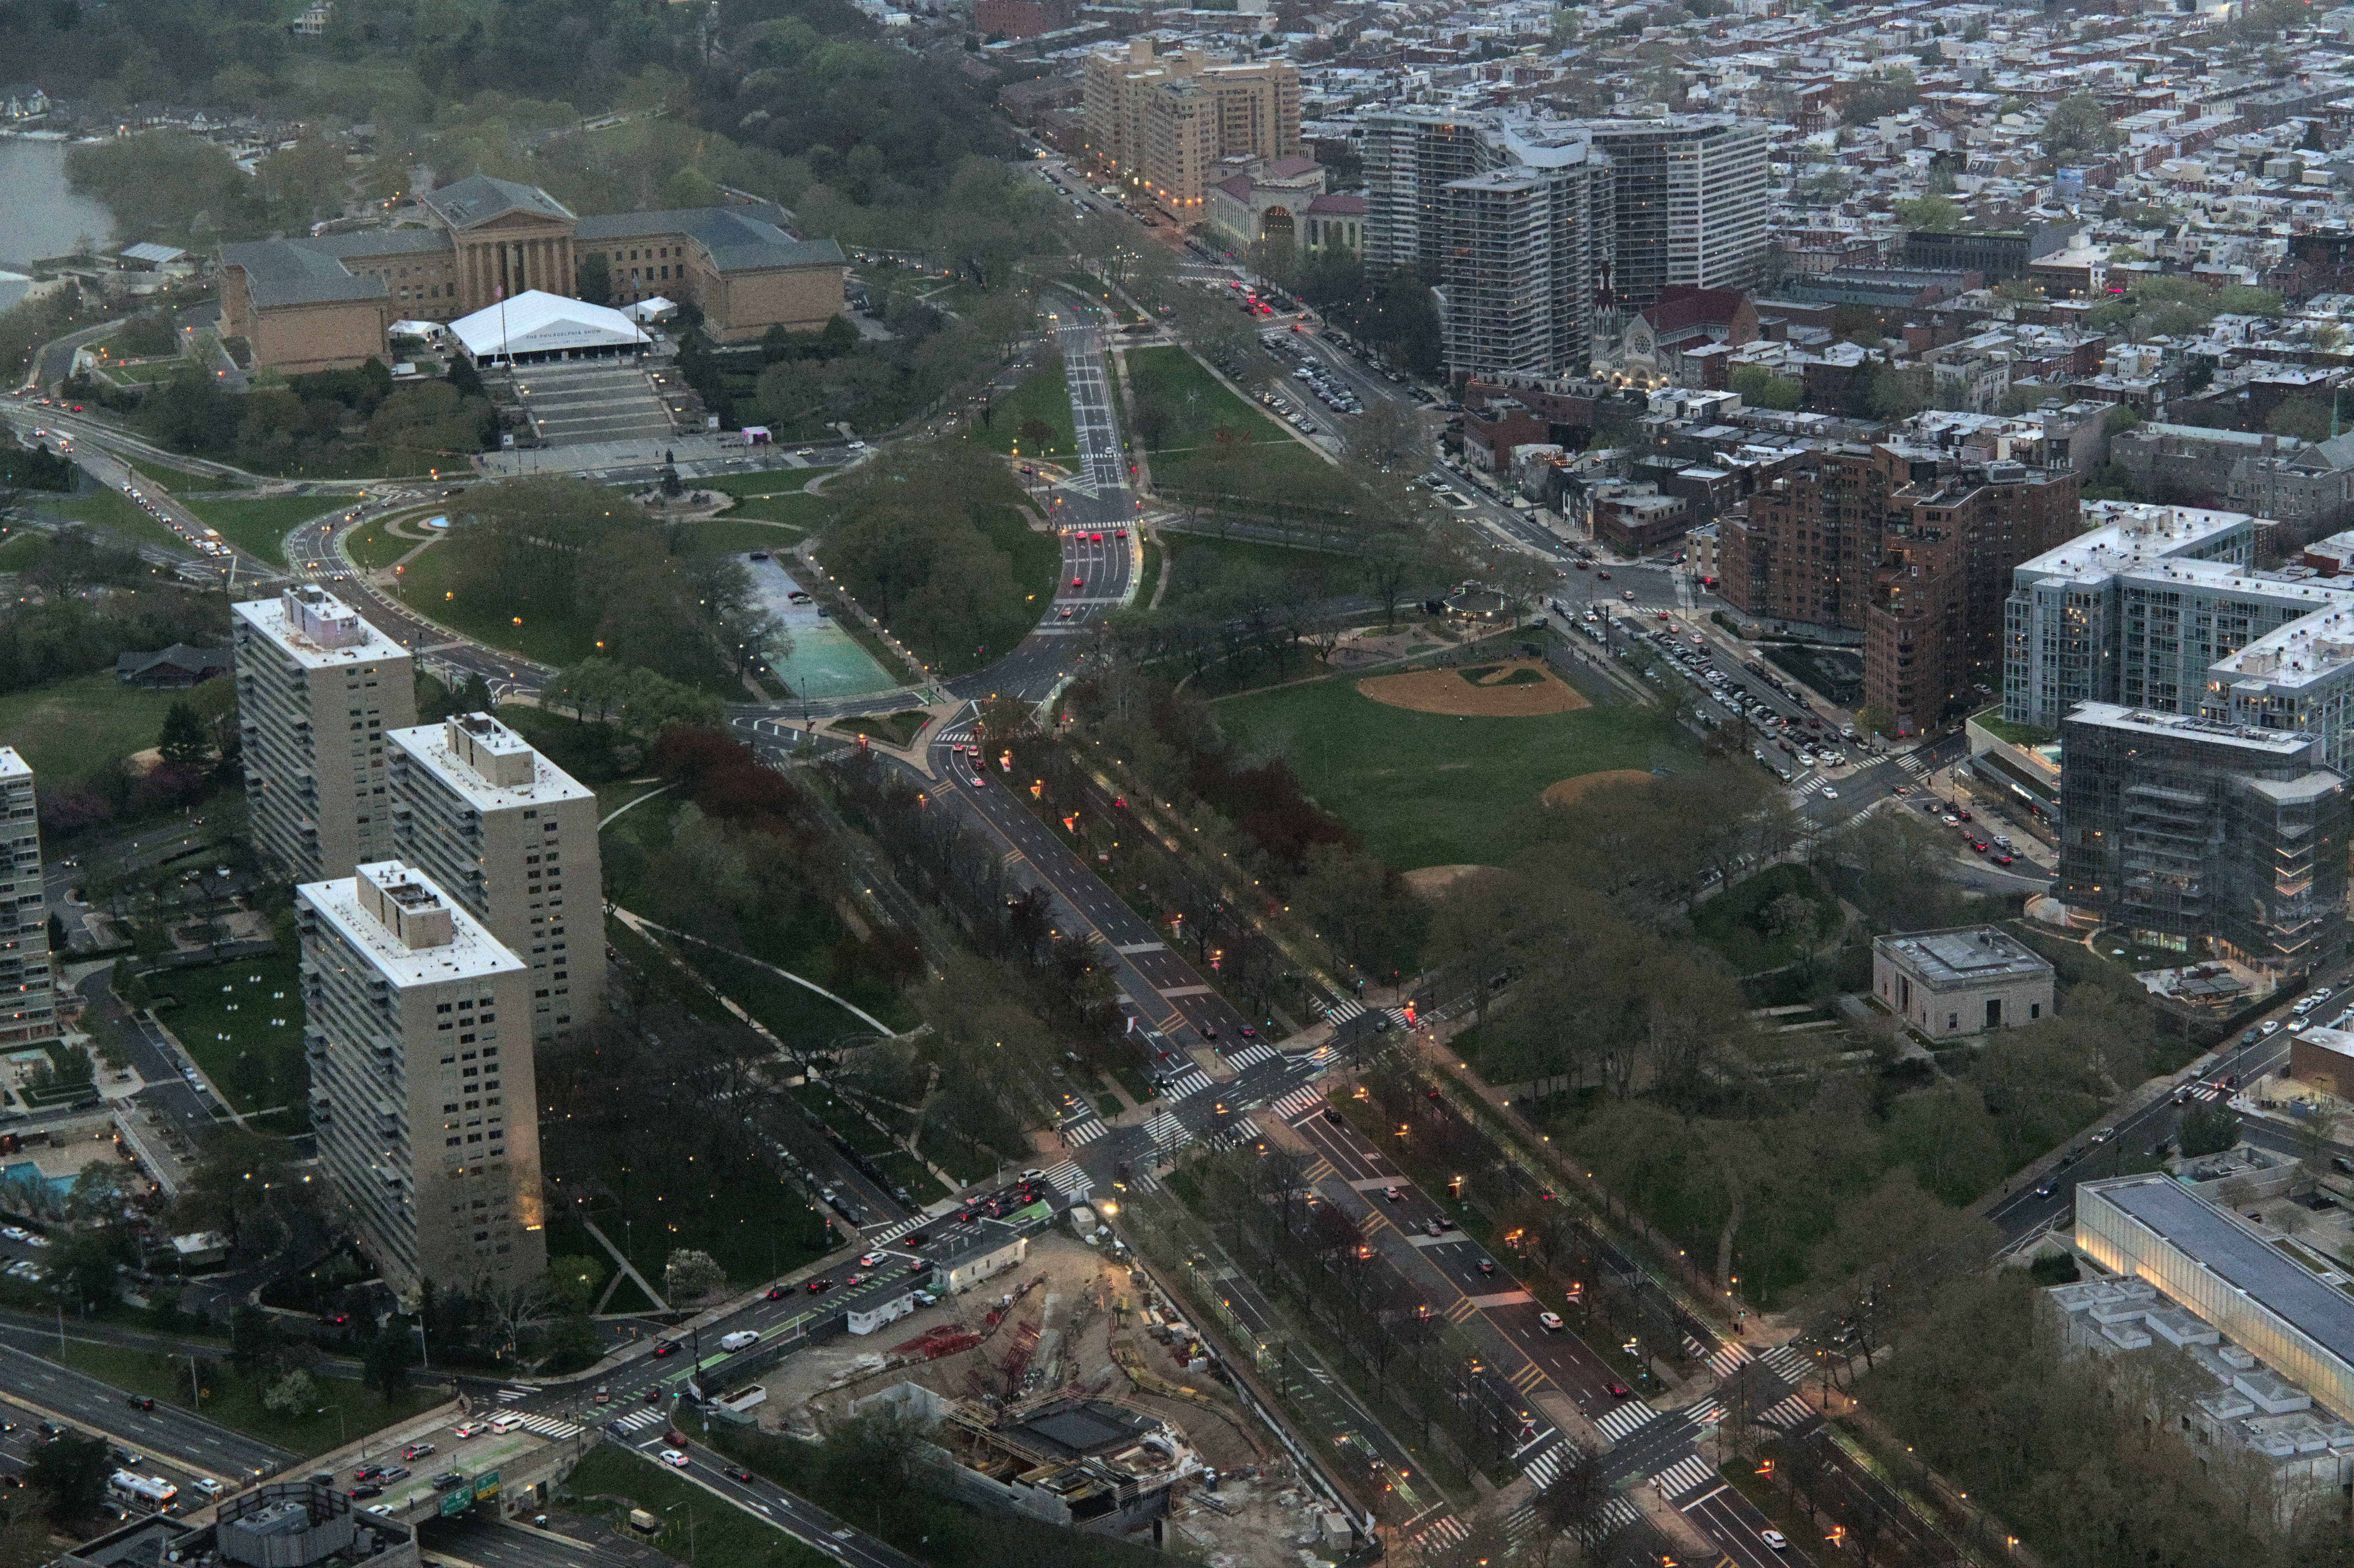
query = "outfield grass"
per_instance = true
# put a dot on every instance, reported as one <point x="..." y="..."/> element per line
<point x="430" y="586"/>
<point x="260" y="527"/>
<point x="74" y="727"/>
<point x="613" y="1479"/>
<point x="1044" y="396"/>
<point x="243" y="1023"/>
<point x="236" y="1403"/>
<point x="1433" y="788"/>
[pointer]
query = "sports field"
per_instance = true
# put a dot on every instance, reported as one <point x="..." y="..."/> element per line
<point x="1436" y="788"/>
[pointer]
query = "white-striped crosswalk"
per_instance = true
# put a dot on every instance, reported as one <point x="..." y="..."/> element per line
<point x="1790" y="1413"/>
<point x="1299" y="1103"/>
<point x="1688" y="1474"/>
<point x="1077" y="1133"/>
<point x="1727" y="1359"/>
<point x="1441" y="1533"/>
<point x="1542" y="1470"/>
<point x="1706" y="1413"/>
<point x="1073" y="1181"/>
<point x="1619" y="1424"/>
<point x="1187" y="1083"/>
<point x="1789" y="1362"/>
<point x="1912" y="763"/>
<point x="1250" y="1056"/>
<point x="1167" y="1132"/>
<point x="639" y="1420"/>
<point x="549" y="1427"/>
<point x="509" y="1395"/>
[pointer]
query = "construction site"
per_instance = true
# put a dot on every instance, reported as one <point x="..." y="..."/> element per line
<point x="1069" y="1389"/>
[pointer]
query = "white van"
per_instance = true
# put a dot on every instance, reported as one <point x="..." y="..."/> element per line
<point x="739" y="1339"/>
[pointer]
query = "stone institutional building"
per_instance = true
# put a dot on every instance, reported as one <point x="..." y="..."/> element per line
<point x="1161" y="124"/>
<point x="324" y="301"/>
<point x="1961" y="981"/>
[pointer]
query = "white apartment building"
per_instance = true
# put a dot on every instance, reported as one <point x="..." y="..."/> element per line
<point x="513" y="838"/>
<point x="28" y="1007"/>
<point x="316" y="687"/>
<point x="422" y="1089"/>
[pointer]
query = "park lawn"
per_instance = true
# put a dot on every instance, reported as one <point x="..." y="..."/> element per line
<point x="1341" y="570"/>
<point x="801" y="511"/>
<point x="19" y="548"/>
<point x="1433" y="788"/>
<point x="236" y="1403"/>
<point x="179" y="479"/>
<point x="768" y="482"/>
<point x="373" y="547"/>
<point x="1044" y="396"/>
<point x="1199" y="402"/>
<point x="260" y="527"/>
<point x="1733" y="922"/>
<point x="428" y="585"/>
<point x="736" y="536"/>
<point x="649" y="826"/>
<point x="72" y="729"/>
<point x="242" y="1022"/>
<point x="117" y="514"/>
<point x="614" y="1479"/>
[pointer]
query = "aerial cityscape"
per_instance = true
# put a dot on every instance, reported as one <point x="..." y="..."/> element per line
<point x="1291" y="784"/>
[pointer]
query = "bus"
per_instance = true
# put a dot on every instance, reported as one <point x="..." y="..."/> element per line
<point x="152" y="1492"/>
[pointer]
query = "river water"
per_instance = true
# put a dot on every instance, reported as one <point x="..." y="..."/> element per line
<point x="40" y="215"/>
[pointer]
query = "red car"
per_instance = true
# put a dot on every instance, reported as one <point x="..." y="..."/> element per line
<point x="1077" y="582"/>
<point x="1619" y="1391"/>
<point x="778" y="1293"/>
<point x="1096" y="538"/>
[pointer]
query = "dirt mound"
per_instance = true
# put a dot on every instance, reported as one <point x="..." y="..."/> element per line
<point x="1569" y="791"/>
<point x="1503" y="692"/>
<point x="1435" y="880"/>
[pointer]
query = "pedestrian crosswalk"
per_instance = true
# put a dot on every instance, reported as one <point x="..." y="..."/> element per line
<point x="1627" y="1419"/>
<point x="1442" y="1532"/>
<point x="509" y="1395"/>
<point x="1686" y="1474"/>
<point x="1167" y="1132"/>
<point x="1074" y="1182"/>
<point x="1191" y="1082"/>
<point x="1726" y="1360"/>
<point x="1343" y="1010"/>
<point x="1077" y="1133"/>
<point x="1321" y="1055"/>
<point x="1242" y="1127"/>
<point x="1912" y="763"/>
<point x="1707" y="1413"/>
<point x="550" y="1427"/>
<point x="1142" y="1182"/>
<point x="1299" y="1103"/>
<point x="639" y="1420"/>
<point x="1542" y="1470"/>
<point x="1250" y="1056"/>
<point x="895" y="1230"/>
<point x="1787" y="1361"/>
<point x="1792" y="1411"/>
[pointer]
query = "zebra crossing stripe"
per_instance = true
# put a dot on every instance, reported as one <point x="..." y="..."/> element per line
<point x="1084" y="1132"/>
<point x="639" y="1420"/>
<point x="1541" y="1469"/>
<point x="1686" y="1474"/>
<point x="1145" y="1182"/>
<point x="1069" y="1178"/>
<point x="1787" y="1362"/>
<point x="507" y="1394"/>
<point x="1245" y="1128"/>
<point x="1728" y="1360"/>
<point x="1342" y="1011"/>
<point x="1186" y="1085"/>
<point x="1256" y="1054"/>
<point x="1706" y="1413"/>
<point x="1298" y="1103"/>
<point x="1791" y="1412"/>
<point x="549" y="1427"/>
<point x="1442" y="1532"/>
<point x="1623" y="1421"/>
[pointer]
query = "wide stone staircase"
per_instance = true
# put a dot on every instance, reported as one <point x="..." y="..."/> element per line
<point x="591" y="400"/>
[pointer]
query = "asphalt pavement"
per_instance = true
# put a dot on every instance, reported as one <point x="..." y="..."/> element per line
<point x="193" y="1442"/>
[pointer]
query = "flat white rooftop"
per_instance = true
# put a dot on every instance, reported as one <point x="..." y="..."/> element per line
<point x="430" y="745"/>
<point x="471" y="952"/>
<point x="12" y="766"/>
<point x="269" y="617"/>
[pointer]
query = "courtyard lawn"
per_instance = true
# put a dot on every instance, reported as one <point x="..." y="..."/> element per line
<point x="1197" y="400"/>
<point x="1044" y="396"/>
<point x="260" y="527"/>
<point x="1433" y="788"/>
<point x="801" y="511"/>
<point x="72" y="729"/>
<point x="428" y="585"/>
<point x="242" y="1022"/>
<point x="375" y="548"/>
